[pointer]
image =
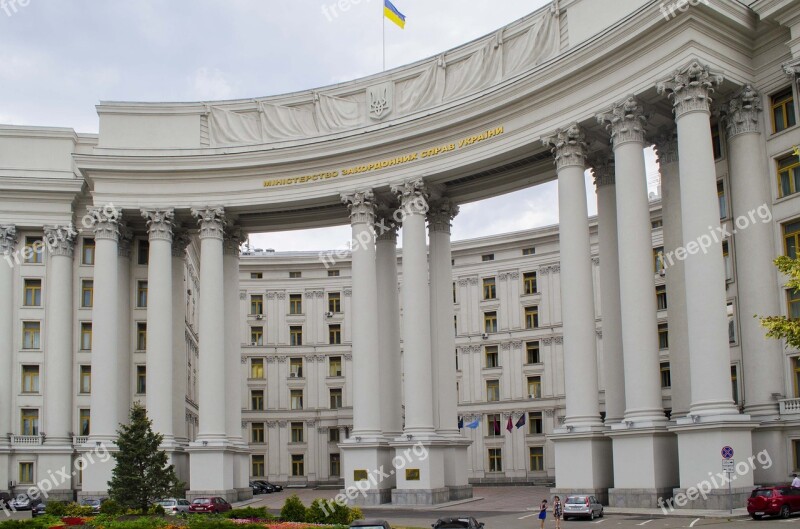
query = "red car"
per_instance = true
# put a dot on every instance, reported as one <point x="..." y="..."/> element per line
<point x="213" y="505"/>
<point x="773" y="501"/>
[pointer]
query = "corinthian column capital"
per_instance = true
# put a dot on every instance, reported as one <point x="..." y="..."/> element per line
<point x="361" y="205"/>
<point x="125" y="241"/>
<point x="180" y="241"/>
<point x="413" y="195"/>
<point x="742" y="111"/>
<point x="211" y="221"/>
<point x="625" y="121"/>
<point x="232" y="242"/>
<point x="441" y="215"/>
<point x="604" y="169"/>
<point x="568" y="146"/>
<point x="386" y="226"/>
<point x="160" y="223"/>
<point x="690" y="88"/>
<point x="792" y="69"/>
<point x="667" y="148"/>
<point x="105" y="222"/>
<point x="60" y="240"/>
<point x="8" y="239"/>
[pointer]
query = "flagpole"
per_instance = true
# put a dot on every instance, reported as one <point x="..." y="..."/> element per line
<point x="383" y="23"/>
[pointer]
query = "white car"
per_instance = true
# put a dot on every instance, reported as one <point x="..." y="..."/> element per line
<point x="174" y="505"/>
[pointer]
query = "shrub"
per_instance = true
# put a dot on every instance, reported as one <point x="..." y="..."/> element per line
<point x="111" y="507"/>
<point x="75" y="509"/>
<point x="355" y="514"/>
<point x="156" y="509"/>
<point x="315" y="513"/>
<point x="249" y="513"/>
<point x="293" y="510"/>
<point x="205" y="521"/>
<point x="56" y="508"/>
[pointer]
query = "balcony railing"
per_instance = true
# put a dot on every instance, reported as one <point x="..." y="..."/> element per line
<point x="26" y="440"/>
<point x="789" y="406"/>
<point x="80" y="440"/>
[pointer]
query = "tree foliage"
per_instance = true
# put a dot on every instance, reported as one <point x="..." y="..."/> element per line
<point x="142" y="473"/>
<point x="782" y="327"/>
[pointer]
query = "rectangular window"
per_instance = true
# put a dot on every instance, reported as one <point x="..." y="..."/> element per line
<point x="335" y="334"/>
<point x="257" y="400"/>
<point x="296" y="367"/>
<point x="143" y="252"/>
<point x="298" y="465"/>
<point x="796" y="454"/>
<point x="783" y="110"/>
<point x="257" y="305"/>
<point x="663" y="336"/>
<point x="535" y="423"/>
<point x="658" y="260"/>
<point x="495" y="460"/>
<point x="537" y="458"/>
<point x="335" y="366"/>
<point x="535" y="387"/>
<point x="87" y="293"/>
<point x="26" y="472"/>
<point x="141" y="294"/>
<point x="455" y="325"/>
<point x="29" y="422"/>
<point x="731" y="322"/>
<point x="296" y="399"/>
<point x="334" y="435"/>
<point x="86" y="336"/>
<point x="33" y="292"/>
<point x="335" y="302"/>
<point x="661" y="297"/>
<point x="531" y="317"/>
<point x="788" y="175"/>
<point x="656" y="224"/>
<point x="791" y="239"/>
<point x="492" y="390"/>
<point x="31" y="335"/>
<point x="533" y="352"/>
<point x="141" y="336"/>
<point x="734" y="385"/>
<point x="256" y="275"/>
<point x="85" y="384"/>
<point x="257" y="433"/>
<point x="793" y="302"/>
<point x="141" y="380"/>
<point x="333" y="273"/>
<point x="336" y="465"/>
<point x="295" y="275"/>
<point x="796" y="375"/>
<point x="295" y="304"/>
<point x="336" y="398"/>
<point x="454" y="293"/>
<point x="297" y="432"/>
<point x="257" y="368"/>
<point x="723" y="203"/>
<point x="529" y="251"/>
<point x="87" y="252"/>
<point x="489" y="322"/>
<point x="492" y="356"/>
<point x="530" y="283"/>
<point x="257" y="336"/>
<point x="30" y="379"/>
<point x="85" y="419"/>
<point x="488" y="257"/>
<point x="489" y="288"/>
<point x="726" y="256"/>
<point x="493" y="425"/>
<point x="296" y="335"/>
<point x="34" y="250"/>
<point x="666" y="376"/>
<point x="716" y="141"/>
<point x="258" y="465"/>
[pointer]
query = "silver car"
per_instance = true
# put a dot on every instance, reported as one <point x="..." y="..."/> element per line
<point x="174" y="505"/>
<point x="583" y="507"/>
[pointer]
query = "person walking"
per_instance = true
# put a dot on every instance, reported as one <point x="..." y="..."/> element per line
<point x="558" y="511"/>
<point x="542" y="513"/>
<point x="795" y="482"/>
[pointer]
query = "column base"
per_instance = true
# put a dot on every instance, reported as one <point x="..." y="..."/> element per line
<point x="368" y="472"/>
<point x="456" y="477"/>
<point x="420" y="497"/>
<point x="57" y="460"/>
<point x="211" y="469"/>
<point x="638" y="498"/>
<point x="419" y="466"/>
<point x="769" y="444"/>
<point x="584" y="461"/>
<point x="99" y="465"/>
<point x="717" y="500"/>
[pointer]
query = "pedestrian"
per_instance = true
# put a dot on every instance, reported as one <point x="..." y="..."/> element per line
<point x="795" y="482"/>
<point x="542" y="513"/>
<point x="558" y="511"/>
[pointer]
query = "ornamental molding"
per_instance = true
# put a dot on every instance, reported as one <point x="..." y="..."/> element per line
<point x="105" y="223"/>
<point x="625" y="121"/>
<point x="413" y="195"/>
<point x="321" y="359"/>
<point x="516" y="344"/>
<point x="272" y="424"/>
<point x="599" y="333"/>
<point x="550" y="269"/>
<point x="667" y="148"/>
<point x="212" y="222"/>
<point x="558" y="340"/>
<point x="505" y="346"/>
<point x="347" y="292"/>
<point x="180" y="242"/>
<point x="232" y="241"/>
<point x="271" y="359"/>
<point x="362" y="206"/>
<point x="348" y="357"/>
<point x="472" y="280"/>
<point x="604" y="169"/>
<point x="242" y="295"/>
<point x="160" y="223"/>
<point x="792" y="69"/>
<point x="311" y="423"/>
<point x="690" y="88"/>
<point x="60" y="241"/>
<point x="741" y="113"/>
<point x="505" y="276"/>
<point x="8" y="239"/>
<point x="283" y="423"/>
<point x="441" y="215"/>
<point x="568" y="146"/>
<point x="271" y="295"/>
<point x="547" y="341"/>
<point x="281" y="295"/>
<point x="281" y="359"/>
<point x="596" y="261"/>
<point x="245" y="359"/>
<point x="320" y="294"/>
<point x="381" y="100"/>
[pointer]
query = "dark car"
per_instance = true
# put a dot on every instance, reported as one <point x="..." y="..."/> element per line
<point x="272" y="486"/>
<point x="457" y="522"/>
<point x="39" y="509"/>
<point x="258" y="488"/>
<point x="371" y="524"/>
<point x="773" y="501"/>
<point x="213" y="505"/>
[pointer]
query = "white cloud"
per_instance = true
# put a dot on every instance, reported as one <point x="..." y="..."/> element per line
<point x="211" y="84"/>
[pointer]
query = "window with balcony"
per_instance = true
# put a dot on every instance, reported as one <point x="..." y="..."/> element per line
<point x="29" y="422"/>
<point x="257" y="368"/>
<point x="336" y="398"/>
<point x="297" y="432"/>
<point x="335" y="302"/>
<point x="783" y="116"/>
<point x="296" y="399"/>
<point x="30" y="379"/>
<point x="533" y="352"/>
<point x="31" y="335"/>
<point x="335" y="366"/>
<point x="257" y="400"/>
<point x="257" y="433"/>
<point x="529" y="282"/>
<point x="535" y="387"/>
<point x="495" y="459"/>
<point x="296" y="335"/>
<point x="492" y="390"/>
<point x="33" y="292"/>
<point x="295" y="304"/>
<point x="85" y="383"/>
<point x="335" y="334"/>
<point x="489" y="288"/>
<point x="489" y="322"/>
<point x="537" y="458"/>
<point x="492" y="356"/>
<point x="86" y="336"/>
<point x="87" y="293"/>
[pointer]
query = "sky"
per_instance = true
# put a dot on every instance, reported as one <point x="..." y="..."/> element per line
<point x="59" y="58"/>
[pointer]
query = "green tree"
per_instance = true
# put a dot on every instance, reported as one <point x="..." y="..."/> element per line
<point x="142" y="473"/>
<point x="781" y="327"/>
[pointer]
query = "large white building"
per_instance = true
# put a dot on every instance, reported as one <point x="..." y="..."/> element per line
<point x="142" y="293"/>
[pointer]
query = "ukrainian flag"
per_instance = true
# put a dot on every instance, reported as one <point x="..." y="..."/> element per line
<point x="393" y="14"/>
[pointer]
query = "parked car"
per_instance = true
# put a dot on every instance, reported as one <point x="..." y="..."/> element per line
<point x="213" y="505"/>
<point x="270" y="487"/>
<point x="458" y="522"/>
<point x="773" y="501"/>
<point x="259" y="488"/>
<point x="24" y="503"/>
<point x="174" y="505"/>
<point x="39" y="509"/>
<point x="583" y="507"/>
<point x="94" y="503"/>
<point x="371" y="524"/>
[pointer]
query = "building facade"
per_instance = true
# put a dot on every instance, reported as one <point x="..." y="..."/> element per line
<point x="142" y="293"/>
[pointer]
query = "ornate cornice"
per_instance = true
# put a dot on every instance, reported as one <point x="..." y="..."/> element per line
<point x="361" y="205"/>
<point x="504" y="276"/>
<point x="60" y="241"/>
<point x="690" y="88"/>
<point x="212" y="222"/>
<point x="667" y="148"/>
<point x="232" y="241"/>
<point x="180" y="241"/>
<point x="441" y="215"/>
<point x="792" y="69"/>
<point x="160" y="223"/>
<point x="105" y="223"/>
<point x="8" y="239"/>
<point x="413" y="195"/>
<point x="625" y="121"/>
<point x="741" y="112"/>
<point x="604" y="169"/>
<point x="568" y="146"/>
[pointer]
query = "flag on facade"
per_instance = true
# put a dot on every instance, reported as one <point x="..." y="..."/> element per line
<point x="497" y="427"/>
<point x="460" y="423"/>
<point x="474" y="424"/>
<point x="521" y="422"/>
<point x="394" y="14"/>
<point x="510" y="425"/>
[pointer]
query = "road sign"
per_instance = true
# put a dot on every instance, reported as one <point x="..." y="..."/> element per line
<point x="728" y="465"/>
<point x="727" y="452"/>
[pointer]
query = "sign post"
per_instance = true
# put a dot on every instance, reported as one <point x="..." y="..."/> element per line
<point x="728" y="466"/>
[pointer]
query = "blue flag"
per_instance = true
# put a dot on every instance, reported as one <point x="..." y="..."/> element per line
<point x="474" y="424"/>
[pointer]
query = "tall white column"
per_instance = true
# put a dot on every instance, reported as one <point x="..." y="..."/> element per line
<point x="179" y="350"/>
<point x="443" y="340"/>
<point x="58" y="357"/>
<point x="159" y="322"/>
<point x="124" y="346"/>
<point x="675" y="280"/>
<point x="8" y="242"/>
<point x="613" y="361"/>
